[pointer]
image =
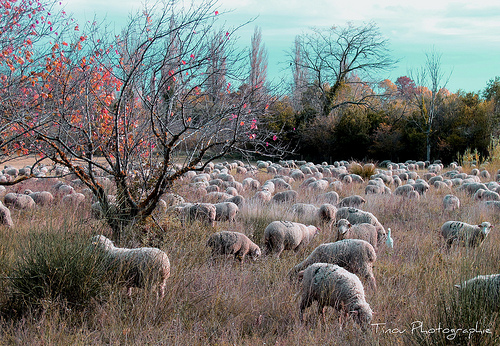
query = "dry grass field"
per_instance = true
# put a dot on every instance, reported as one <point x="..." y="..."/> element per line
<point x="253" y="303"/>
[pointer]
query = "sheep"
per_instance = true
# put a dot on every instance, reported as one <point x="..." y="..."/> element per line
<point x="288" y="196"/>
<point x="464" y="233"/>
<point x="486" y="195"/>
<point x="233" y="243"/>
<point x="139" y="267"/>
<point x="73" y="199"/>
<point x="19" y="201"/>
<point x="42" y="198"/>
<point x="204" y="212"/>
<point x="286" y="235"/>
<point x="226" y="211"/>
<point x="354" y="201"/>
<point x="404" y="190"/>
<point x="471" y="187"/>
<point x="355" y="255"/>
<point x="364" y="231"/>
<point x="238" y="200"/>
<point x="262" y="196"/>
<point x="331" y="285"/>
<point x="305" y="211"/>
<point x="216" y="197"/>
<point x="355" y="216"/>
<point x="5" y="217"/>
<point x="451" y="202"/>
<point x="330" y="197"/>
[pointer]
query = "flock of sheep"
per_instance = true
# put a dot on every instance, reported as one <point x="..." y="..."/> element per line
<point x="333" y="273"/>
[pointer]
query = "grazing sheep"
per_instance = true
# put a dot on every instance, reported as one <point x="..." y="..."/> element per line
<point x="288" y="196"/>
<point x="486" y="195"/>
<point x="5" y="217"/>
<point x="19" y="201"/>
<point x="226" y="211"/>
<point x="327" y="213"/>
<point x="331" y="285"/>
<point x="421" y="187"/>
<point x="318" y="185"/>
<point x="286" y="235"/>
<point x="42" y="198"/>
<point x="204" y="212"/>
<point x="464" y="233"/>
<point x="73" y="199"/>
<point x="216" y="197"/>
<point x="262" y="196"/>
<point x="364" y="231"/>
<point x="330" y="197"/>
<point x="139" y="267"/>
<point x="233" y="243"/>
<point x="471" y="187"/>
<point x="238" y="200"/>
<point x="451" y="202"/>
<point x="493" y="204"/>
<point x="404" y="190"/>
<point x="354" y="201"/>
<point x="172" y="199"/>
<point x="355" y="216"/>
<point x="355" y="255"/>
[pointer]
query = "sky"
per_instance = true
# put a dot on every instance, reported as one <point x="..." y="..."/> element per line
<point x="465" y="33"/>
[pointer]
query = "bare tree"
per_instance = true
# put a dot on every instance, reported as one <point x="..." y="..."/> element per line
<point x="258" y="62"/>
<point x="145" y="107"/>
<point x="430" y="79"/>
<point x="330" y="58"/>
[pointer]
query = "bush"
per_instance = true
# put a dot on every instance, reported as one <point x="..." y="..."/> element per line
<point x="468" y="316"/>
<point x="58" y="267"/>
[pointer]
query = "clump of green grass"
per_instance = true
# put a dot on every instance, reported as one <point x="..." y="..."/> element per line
<point x="365" y="171"/>
<point x="57" y="266"/>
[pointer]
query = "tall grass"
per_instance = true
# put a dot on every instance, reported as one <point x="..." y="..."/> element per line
<point x="243" y="304"/>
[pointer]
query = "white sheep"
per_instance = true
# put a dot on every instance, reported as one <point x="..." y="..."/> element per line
<point x="204" y="212"/>
<point x="355" y="255"/>
<point x="19" y="201"/>
<point x="355" y="216"/>
<point x="331" y="285"/>
<point x="288" y="196"/>
<point x="226" y="211"/>
<point x="330" y="197"/>
<point x="451" y="202"/>
<point x="286" y="235"/>
<point x="262" y="196"/>
<point x="486" y="195"/>
<point x="233" y="243"/>
<point x="139" y="267"/>
<point x="354" y="201"/>
<point x="464" y="233"/>
<point x="5" y="217"/>
<point x="42" y="198"/>
<point x="73" y="199"/>
<point x="364" y="231"/>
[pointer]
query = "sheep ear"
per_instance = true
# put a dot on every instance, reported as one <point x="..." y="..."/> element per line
<point x="457" y="286"/>
<point x="300" y="274"/>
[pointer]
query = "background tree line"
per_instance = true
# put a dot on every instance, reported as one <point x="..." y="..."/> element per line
<point x="174" y="91"/>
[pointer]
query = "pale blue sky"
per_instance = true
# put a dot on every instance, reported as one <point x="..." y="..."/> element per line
<point x="466" y="33"/>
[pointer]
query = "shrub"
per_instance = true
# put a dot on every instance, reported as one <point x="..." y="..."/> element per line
<point x="468" y="316"/>
<point x="60" y="267"/>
